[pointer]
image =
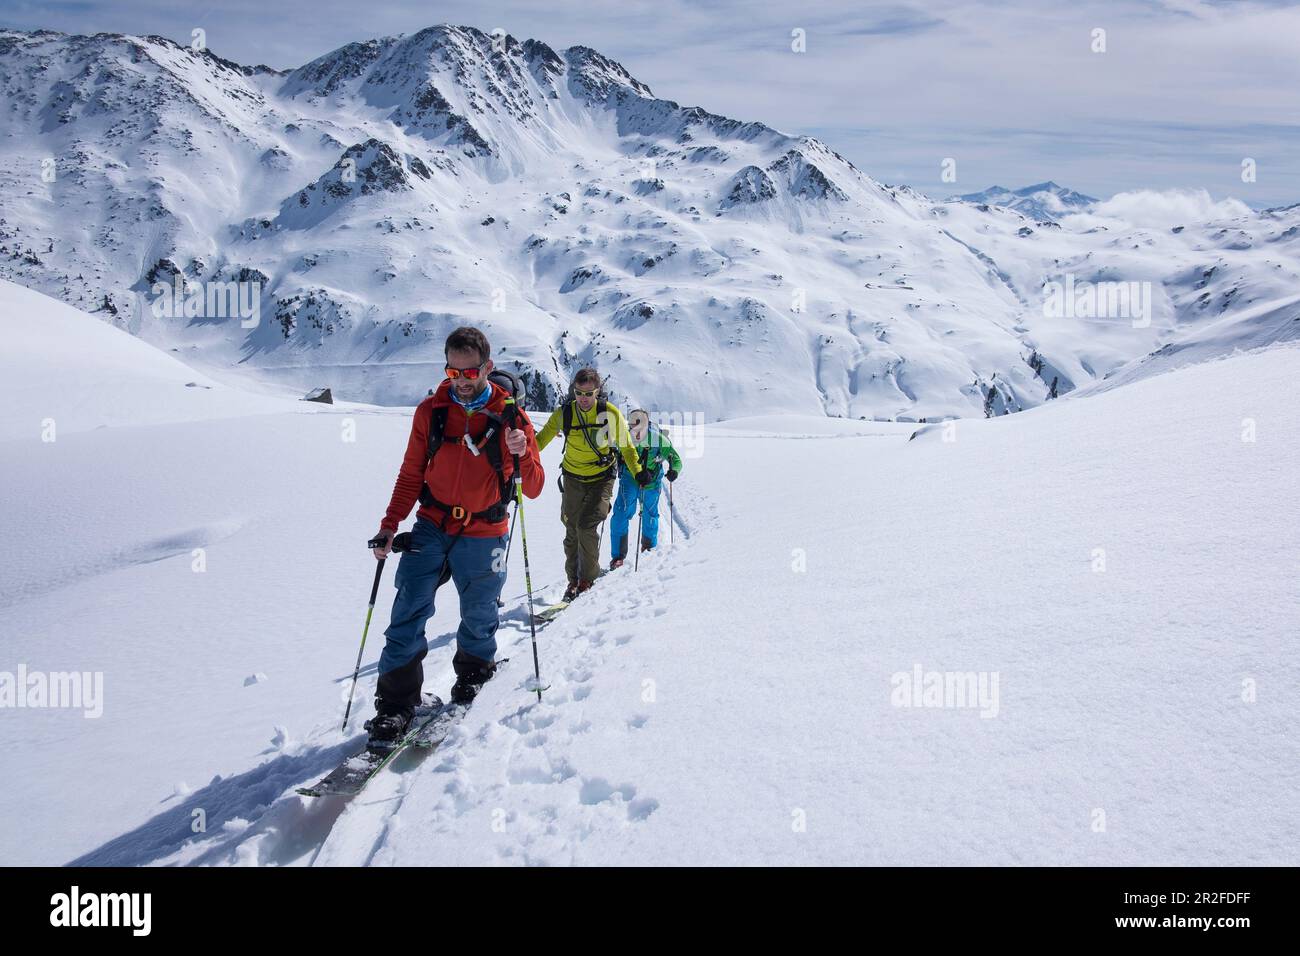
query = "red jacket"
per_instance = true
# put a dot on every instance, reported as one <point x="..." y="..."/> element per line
<point x="456" y="476"/>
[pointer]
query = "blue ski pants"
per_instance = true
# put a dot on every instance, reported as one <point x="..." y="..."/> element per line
<point x="478" y="572"/>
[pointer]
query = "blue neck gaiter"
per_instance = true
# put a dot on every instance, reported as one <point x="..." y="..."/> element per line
<point x="475" y="403"/>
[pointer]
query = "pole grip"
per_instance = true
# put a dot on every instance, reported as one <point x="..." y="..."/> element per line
<point x="401" y="542"/>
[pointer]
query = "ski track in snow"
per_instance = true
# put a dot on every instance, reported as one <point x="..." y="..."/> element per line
<point x="521" y="748"/>
<point x="243" y="814"/>
<point x="26" y="582"/>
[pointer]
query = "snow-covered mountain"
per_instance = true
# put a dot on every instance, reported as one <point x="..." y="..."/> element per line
<point x="329" y="225"/>
<point x="1046" y="201"/>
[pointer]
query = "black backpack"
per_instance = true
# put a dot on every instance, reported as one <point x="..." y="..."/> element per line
<point x="488" y="445"/>
<point x="602" y="404"/>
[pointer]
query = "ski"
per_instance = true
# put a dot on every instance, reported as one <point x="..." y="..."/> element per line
<point x="548" y="614"/>
<point x="349" y="777"/>
<point x="430" y="726"/>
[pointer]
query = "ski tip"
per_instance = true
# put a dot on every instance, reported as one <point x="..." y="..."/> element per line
<point x="546" y="615"/>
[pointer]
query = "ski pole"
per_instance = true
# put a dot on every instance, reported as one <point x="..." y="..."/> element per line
<point x="401" y="542"/>
<point x="356" y="672"/>
<point x="671" y="536"/>
<point x="528" y="576"/>
<point x="640" y="509"/>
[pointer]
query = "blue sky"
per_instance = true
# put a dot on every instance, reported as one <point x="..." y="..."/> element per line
<point x="1012" y="91"/>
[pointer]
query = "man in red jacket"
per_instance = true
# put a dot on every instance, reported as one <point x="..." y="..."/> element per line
<point x="461" y="526"/>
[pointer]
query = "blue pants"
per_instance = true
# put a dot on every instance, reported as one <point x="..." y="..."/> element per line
<point x="477" y="570"/>
<point x="625" y="511"/>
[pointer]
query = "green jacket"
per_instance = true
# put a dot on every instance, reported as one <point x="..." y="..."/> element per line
<point x="655" y="449"/>
<point x="592" y="437"/>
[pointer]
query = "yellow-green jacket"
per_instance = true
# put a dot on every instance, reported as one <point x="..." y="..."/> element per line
<point x="595" y="441"/>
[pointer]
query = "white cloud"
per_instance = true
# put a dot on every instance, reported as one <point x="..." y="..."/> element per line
<point x="1169" y="207"/>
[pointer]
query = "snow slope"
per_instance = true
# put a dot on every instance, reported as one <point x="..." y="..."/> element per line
<point x="730" y="702"/>
<point x="78" y="375"/>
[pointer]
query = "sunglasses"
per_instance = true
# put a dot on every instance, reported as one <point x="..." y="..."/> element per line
<point x="584" y="394"/>
<point x="469" y="373"/>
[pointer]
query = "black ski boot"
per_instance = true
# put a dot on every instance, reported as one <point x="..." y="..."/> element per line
<point x="397" y="694"/>
<point x="387" y="730"/>
<point x="571" y="592"/>
<point x="471" y="674"/>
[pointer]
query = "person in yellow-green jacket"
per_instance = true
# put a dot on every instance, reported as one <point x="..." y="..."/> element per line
<point x="595" y="437"/>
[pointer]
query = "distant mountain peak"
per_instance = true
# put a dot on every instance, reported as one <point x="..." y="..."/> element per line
<point x="598" y="75"/>
<point x="1045" y="201"/>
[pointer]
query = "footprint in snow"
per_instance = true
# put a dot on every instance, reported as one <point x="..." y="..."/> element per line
<point x="597" y="791"/>
<point x="640" y="809"/>
<point x="526" y="722"/>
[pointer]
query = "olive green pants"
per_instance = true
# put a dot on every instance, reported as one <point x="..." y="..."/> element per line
<point x="583" y="507"/>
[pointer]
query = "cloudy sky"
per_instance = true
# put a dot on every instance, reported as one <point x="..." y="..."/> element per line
<point x="1013" y="91"/>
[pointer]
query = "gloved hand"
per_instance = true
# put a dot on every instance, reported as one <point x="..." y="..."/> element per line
<point x="643" y="477"/>
<point x="386" y="542"/>
<point x="382" y="543"/>
<point x="672" y="474"/>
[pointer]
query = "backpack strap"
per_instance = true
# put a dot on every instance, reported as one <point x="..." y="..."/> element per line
<point x="437" y="426"/>
<point x="567" y="426"/>
<point x="489" y="445"/>
<point x="602" y="407"/>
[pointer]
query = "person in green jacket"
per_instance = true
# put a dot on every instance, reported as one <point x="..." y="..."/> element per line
<point x="595" y="438"/>
<point x="653" y="449"/>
